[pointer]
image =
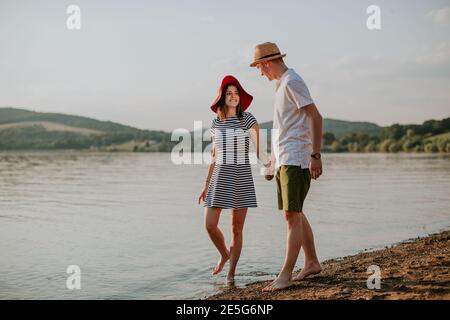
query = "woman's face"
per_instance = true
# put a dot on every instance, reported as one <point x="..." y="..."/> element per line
<point x="232" y="96"/>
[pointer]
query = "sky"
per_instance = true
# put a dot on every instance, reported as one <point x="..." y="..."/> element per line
<point x="158" y="64"/>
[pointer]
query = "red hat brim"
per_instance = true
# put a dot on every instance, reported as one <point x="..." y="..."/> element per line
<point x="245" y="99"/>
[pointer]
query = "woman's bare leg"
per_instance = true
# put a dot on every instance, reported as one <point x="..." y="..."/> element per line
<point x="212" y="216"/>
<point x="237" y="226"/>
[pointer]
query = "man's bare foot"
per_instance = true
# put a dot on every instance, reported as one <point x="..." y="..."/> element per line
<point x="309" y="270"/>
<point x="217" y="269"/>
<point x="279" y="283"/>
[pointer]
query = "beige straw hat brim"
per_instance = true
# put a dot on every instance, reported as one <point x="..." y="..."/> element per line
<point x="254" y="63"/>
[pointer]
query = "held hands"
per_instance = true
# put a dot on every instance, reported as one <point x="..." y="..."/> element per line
<point x="268" y="171"/>
<point x="315" y="168"/>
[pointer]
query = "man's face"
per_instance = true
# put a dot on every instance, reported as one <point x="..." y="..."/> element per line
<point x="265" y="69"/>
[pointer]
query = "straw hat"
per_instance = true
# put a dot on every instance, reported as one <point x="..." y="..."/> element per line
<point x="244" y="97"/>
<point x="265" y="52"/>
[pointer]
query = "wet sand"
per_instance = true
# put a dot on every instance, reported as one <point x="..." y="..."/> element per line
<point x="414" y="269"/>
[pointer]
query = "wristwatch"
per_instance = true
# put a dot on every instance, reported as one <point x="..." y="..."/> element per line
<point x="316" y="155"/>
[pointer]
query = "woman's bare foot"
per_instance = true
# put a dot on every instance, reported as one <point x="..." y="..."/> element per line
<point x="309" y="270"/>
<point x="217" y="269"/>
<point x="279" y="283"/>
<point x="230" y="280"/>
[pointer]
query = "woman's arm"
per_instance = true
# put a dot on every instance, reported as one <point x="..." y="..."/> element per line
<point x="208" y="177"/>
<point x="211" y="166"/>
<point x="260" y="153"/>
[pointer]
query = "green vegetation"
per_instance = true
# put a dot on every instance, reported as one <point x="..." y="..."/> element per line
<point x="22" y="129"/>
<point x="340" y="128"/>
<point x="431" y="136"/>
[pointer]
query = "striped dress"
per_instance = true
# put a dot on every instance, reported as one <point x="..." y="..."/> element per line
<point x="231" y="185"/>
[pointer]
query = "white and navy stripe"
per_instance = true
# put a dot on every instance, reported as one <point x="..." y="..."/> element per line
<point x="231" y="184"/>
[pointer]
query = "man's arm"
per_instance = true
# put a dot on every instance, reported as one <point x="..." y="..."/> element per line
<point x="314" y="115"/>
<point x="316" y="126"/>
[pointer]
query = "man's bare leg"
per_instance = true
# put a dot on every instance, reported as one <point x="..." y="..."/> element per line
<point x="237" y="226"/>
<point x="212" y="216"/>
<point x="312" y="264"/>
<point x="293" y="244"/>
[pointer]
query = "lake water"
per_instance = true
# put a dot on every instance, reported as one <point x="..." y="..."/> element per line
<point x="131" y="221"/>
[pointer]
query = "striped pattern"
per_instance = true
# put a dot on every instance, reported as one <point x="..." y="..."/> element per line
<point x="231" y="185"/>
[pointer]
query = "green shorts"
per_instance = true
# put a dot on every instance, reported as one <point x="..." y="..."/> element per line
<point x="292" y="187"/>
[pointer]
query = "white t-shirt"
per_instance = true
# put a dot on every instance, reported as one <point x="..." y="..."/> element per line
<point x="291" y="137"/>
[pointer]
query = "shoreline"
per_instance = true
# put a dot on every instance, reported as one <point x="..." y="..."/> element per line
<point x="416" y="269"/>
<point x="93" y="150"/>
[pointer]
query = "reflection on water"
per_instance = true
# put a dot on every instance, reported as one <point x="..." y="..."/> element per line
<point x="132" y="224"/>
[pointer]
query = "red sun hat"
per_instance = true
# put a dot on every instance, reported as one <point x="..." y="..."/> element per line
<point x="244" y="98"/>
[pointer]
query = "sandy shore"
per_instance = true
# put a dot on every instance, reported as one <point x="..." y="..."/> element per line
<point x="414" y="269"/>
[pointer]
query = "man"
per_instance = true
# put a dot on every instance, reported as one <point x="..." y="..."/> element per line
<point x="296" y="147"/>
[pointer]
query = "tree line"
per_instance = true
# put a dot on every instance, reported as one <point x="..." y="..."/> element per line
<point x="431" y="136"/>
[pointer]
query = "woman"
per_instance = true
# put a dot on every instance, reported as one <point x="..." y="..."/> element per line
<point x="229" y="184"/>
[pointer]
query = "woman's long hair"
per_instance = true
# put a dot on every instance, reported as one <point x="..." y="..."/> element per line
<point x="222" y="108"/>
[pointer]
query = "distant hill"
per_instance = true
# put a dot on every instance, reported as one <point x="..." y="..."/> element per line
<point x="340" y="127"/>
<point x="13" y="115"/>
<point x="24" y="129"/>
